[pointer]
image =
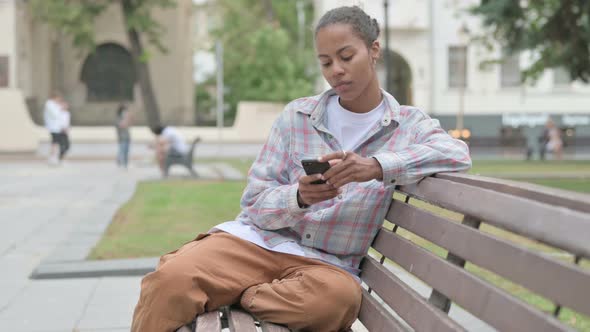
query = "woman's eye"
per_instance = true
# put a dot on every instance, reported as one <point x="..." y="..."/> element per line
<point x="347" y="58"/>
<point x="327" y="64"/>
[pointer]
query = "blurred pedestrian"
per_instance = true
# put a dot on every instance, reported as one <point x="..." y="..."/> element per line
<point x="64" y="135"/>
<point x="122" y="125"/>
<point x="553" y="138"/>
<point x="56" y="119"/>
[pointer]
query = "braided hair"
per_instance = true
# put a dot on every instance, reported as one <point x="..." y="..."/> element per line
<point x="363" y="26"/>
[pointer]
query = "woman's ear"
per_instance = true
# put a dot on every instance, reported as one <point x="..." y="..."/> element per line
<point x="375" y="51"/>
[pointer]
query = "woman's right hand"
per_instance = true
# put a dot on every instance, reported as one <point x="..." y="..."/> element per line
<point x="309" y="193"/>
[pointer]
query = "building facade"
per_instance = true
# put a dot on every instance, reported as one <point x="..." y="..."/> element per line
<point x="437" y="68"/>
<point x="41" y="60"/>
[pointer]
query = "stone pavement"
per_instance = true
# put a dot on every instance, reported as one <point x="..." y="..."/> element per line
<point x="50" y="218"/>
<point x="40" y="209"/>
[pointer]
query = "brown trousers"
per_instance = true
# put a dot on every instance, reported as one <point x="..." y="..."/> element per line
<point x="222" y="269"/>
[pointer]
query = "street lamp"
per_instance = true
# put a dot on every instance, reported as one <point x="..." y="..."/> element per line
<point x="460" y="131"/>
<point x="386" y="57"/>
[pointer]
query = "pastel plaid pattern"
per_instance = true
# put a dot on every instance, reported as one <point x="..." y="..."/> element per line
<point x="408" y="144"/>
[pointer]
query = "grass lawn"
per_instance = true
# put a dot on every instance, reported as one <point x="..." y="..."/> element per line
<point x="162" y="215"/>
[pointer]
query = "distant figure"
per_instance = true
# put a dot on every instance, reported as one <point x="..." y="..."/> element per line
<point x="168" y="142"/>
<point x="64" y="143"/>
<point x="553" y="137"/>
<point x="122" y="125"/>
<point x="57" y="121"/>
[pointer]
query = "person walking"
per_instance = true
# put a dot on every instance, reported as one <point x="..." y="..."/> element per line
<point x="292" y="255"/>
<point x="64" y="135"/>
<point x="54" y="119"/>
<point x="122" y="126"/>
<point x="554" y="141"/>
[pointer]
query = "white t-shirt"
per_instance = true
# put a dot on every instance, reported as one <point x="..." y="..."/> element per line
<point x="176" y="141"/>
<point x="52" y="116"/>
<point x="65" y="119"/>
<point x="350" y="128"/>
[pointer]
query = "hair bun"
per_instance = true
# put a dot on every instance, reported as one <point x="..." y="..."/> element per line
<point x="376" y="25"/>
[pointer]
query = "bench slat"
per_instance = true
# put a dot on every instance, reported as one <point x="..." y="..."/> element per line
<point x="240" y="321"/>
<point x="485" y="301"/>
<point x="270" y="327"/>
<point x="208" y="321"/>
<point x="557" y="226"/>
<point x="532" y="270"/>
<point x="556" y="197"/>
<point x="375" y="317"/>
<point x="406" y="302"/>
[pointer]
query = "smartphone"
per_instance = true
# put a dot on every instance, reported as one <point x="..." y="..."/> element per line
<point x="313" y="166"/>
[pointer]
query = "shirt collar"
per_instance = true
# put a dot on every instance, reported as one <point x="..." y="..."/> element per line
<point x="316" y="109"/>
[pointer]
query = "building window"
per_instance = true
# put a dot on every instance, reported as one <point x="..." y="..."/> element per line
<point x="109" y="74"/>
<point x="457" y="66"/>
<point x="561" y="76"/>
<point x="510" y="71"/>
<point x="4" y="70"/>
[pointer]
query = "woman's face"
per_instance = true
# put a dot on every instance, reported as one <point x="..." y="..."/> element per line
<point x="347" y="64"/>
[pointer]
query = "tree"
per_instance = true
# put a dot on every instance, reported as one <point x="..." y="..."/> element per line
<point x="556" y="31"/>
<point x="262" y="58"/>
<point x="75" y="18"/>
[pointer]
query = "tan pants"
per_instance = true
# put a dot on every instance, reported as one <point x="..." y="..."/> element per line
<point x="221" y="269"/>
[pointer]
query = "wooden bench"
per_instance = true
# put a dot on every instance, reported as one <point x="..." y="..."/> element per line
<point x="531" y="238"/>
<point x="185" y="160"/>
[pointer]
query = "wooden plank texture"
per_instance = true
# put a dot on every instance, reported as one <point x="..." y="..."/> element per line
<point x="376" y="318"/>
<point x="483" y="300"/>
<point x="534" y="271"/>
<point x="240" y="321"/>
<point x="208" y="322"/>
<point x="406" y="302"/>
<point x="556" y="197"/>
<point x="557" y="226"/>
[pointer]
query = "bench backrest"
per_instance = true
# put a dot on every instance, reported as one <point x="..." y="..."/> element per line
<point x="515" y="238"/>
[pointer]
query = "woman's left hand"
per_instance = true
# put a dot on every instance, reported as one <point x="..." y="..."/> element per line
<point x="349" y="167"/>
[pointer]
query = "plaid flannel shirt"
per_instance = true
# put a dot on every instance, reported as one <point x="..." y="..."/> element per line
<point x="407" y="143"/>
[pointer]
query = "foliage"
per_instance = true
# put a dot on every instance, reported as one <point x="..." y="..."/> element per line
<point x="76" y="18"/>
<point x="263" y="57"/>
<point x="557" y="32"/>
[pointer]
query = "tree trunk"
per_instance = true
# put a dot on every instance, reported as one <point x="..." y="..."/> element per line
<point x="269" y="11"/>
<point x="150" y="103"/>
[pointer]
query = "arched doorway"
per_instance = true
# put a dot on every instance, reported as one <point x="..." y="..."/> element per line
<point x="400" y="78"/>
<point x="109" y="74"/>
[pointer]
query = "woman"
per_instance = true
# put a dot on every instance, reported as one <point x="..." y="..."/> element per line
<point x="292" y="255"/>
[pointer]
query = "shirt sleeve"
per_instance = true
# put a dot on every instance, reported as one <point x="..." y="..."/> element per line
<point x="270" y="198"/>
<point x="431" y="151"/>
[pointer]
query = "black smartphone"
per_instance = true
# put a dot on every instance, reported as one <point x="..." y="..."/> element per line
<point x="313" y="166"/>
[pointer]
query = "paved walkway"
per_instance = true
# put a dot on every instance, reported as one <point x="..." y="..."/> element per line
<point x="40" y="209"/>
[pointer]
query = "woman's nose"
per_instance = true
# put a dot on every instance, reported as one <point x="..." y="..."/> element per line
<point x="337" y="69"/>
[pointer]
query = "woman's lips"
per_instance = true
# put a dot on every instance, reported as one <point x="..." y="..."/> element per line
<point x="343" y="86"/>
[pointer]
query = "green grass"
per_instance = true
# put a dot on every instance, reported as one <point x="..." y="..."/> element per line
<point x="163" y="215"/>
<point x="580" y="185"/>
